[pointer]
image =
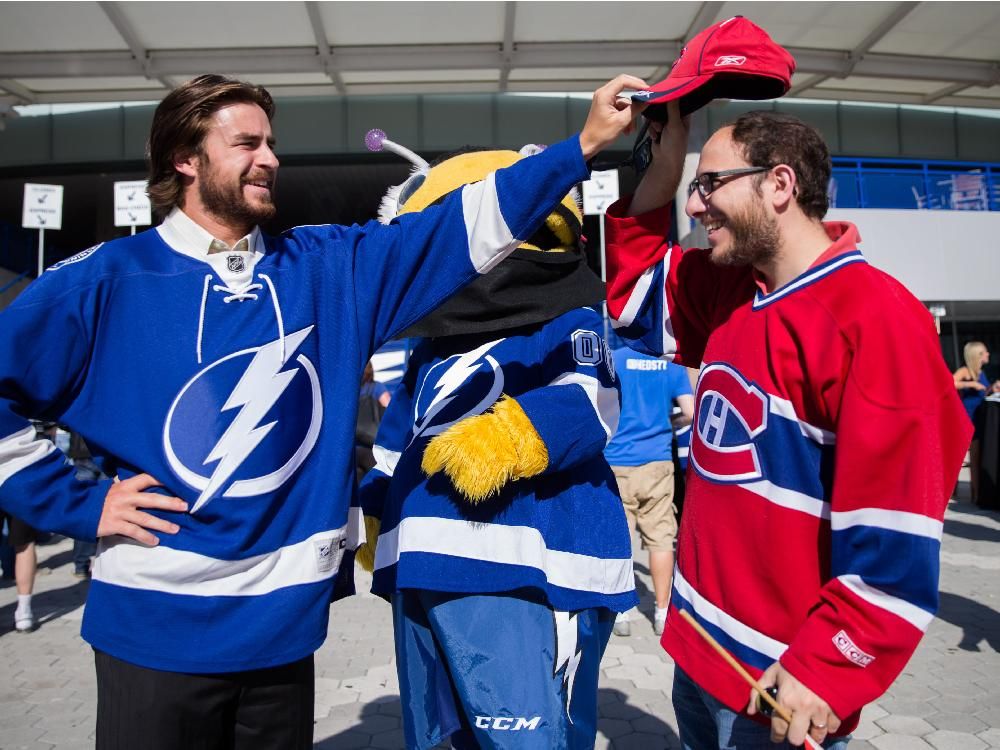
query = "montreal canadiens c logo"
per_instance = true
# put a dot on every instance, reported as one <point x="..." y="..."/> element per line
<point x="731" y="413"/>
<point x="246" y="422"/>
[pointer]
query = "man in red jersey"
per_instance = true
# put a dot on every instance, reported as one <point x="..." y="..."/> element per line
<point x="811" y="533"/>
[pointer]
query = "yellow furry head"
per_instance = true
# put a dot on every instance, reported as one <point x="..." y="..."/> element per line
<point x="428" y="185"/>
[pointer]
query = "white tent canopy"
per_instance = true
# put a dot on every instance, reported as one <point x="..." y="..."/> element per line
<point x="943" y="53"/>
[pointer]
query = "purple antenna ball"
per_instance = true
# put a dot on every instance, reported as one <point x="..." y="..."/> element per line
<point x="374" y="139"/>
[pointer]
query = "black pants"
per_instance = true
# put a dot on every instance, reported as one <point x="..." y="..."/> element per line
<point x="263" y="709"/>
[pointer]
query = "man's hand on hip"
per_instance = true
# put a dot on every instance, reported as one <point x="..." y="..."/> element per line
<point x="123" y="514"/>
<point x="810" y="713"/>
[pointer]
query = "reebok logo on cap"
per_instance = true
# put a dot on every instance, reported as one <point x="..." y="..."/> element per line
<point x="730" y="60"/>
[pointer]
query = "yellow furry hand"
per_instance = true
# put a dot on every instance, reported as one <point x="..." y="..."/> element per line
<point x="483" y="453"/>
<point x="365" y="554"/>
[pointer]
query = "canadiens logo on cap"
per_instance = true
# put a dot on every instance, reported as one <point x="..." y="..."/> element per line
<point x="733" y="59"/>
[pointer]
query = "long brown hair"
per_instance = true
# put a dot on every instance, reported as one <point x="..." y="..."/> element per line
<point x="180" y="124"/>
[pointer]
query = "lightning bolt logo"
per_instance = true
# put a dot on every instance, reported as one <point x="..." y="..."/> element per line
<point x="568" y="653"/>
<point x="447" y="386"/>
<point x="258" y="390"/>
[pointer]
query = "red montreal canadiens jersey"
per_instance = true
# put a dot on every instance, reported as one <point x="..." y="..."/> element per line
<point x="827" y="438"/>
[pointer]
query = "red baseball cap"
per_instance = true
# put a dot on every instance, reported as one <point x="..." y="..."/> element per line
<point x="733" y="59"/>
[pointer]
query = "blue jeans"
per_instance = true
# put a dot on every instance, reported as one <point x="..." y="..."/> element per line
<point x="707" y="724"/>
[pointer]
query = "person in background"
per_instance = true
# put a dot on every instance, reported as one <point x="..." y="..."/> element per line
<point x="373" y="399"/>
<point x="973" y="387"/>
<point x="87" y="470"/>
<point x="641" y="457"/>
<point x="681" y="447"/>
<point x="6" y="554"/>
<point x="22" y="538"/>
<point x="370" y="387"/>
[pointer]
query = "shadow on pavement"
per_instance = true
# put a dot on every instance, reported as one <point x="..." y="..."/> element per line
<point x="978" y="622"/>
<point x="647" y="600"/>
<point x="967" y="507"/>
<point x="57" y="561"/>
<point x="645" y="731"/>
<point x="378" y="717"/>
<point x="47" y="606"/>
<point x="971" y="531"/>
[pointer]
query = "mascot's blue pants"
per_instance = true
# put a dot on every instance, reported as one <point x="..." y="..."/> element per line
<point x="497" y="670"/>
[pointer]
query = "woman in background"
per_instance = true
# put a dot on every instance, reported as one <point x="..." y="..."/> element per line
<point x="973" y="386"/>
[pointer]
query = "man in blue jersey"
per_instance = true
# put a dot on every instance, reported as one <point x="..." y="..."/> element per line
<point x="641" y="457"/>
<point x="205" y="357"/>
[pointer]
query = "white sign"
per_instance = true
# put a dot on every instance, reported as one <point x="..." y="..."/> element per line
<point x="600" y="191"/>
<point x="132" y="204"/>
<point x="42" y="206"/>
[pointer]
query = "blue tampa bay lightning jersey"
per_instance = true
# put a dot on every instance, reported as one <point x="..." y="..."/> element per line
<point x="562" y="533"/>
<point x="232" y="378"/>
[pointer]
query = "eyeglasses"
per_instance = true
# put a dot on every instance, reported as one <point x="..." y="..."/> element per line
<point x="707" y="182"/>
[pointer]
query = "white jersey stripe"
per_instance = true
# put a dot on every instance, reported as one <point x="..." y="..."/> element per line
<point x="122" y="562"/>
<point x="728" y="624"/>
<point x="603" y="399"/>
<point x="635" y="299"/>
<point x="505" y="545"/>
<point x="917" y="617"/>
<point x="355" y="527"/>
<point x="666" y="326"/>
<point x="20" y="450"/>
<point x="893" y="520"/>
<point x="784" y="408"/>
<point x="490" y="239"/>
<point x="385" y="459"/>
<point x="788" y="498"/>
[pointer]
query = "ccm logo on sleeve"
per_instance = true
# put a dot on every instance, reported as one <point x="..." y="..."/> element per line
<point x="846" y="646"/>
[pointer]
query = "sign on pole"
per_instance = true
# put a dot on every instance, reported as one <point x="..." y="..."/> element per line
<point x="600" y="191"/>
<point x="42" y="206"/>
<point x="132" y="205"/>
<point x="42" y="210"/>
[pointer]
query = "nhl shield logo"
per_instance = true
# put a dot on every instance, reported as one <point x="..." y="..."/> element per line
<point x="235" y="263"/>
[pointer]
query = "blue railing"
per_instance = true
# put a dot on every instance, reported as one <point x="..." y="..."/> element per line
<point x="906" y="183"/>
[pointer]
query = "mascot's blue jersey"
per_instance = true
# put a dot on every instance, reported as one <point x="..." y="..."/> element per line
<point x="232" y="379"/>
<point x="562" y="533"/>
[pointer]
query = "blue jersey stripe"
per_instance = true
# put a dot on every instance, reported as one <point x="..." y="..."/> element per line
<point x="899" y="564"/>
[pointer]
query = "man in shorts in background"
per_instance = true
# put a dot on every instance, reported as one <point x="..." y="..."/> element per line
<point x="642" y="459"/>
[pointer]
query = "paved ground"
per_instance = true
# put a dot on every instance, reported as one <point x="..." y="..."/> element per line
<point x="948" y="697"/>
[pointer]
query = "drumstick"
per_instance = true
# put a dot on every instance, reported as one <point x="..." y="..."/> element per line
<point x="782" y="713"/>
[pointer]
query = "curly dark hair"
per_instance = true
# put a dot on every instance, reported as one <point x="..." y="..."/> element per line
<point x="180" y="124"/>
<point x="771" y="138"/>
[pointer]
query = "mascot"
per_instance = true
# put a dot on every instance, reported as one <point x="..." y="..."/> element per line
<point x="493" y="521"/>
